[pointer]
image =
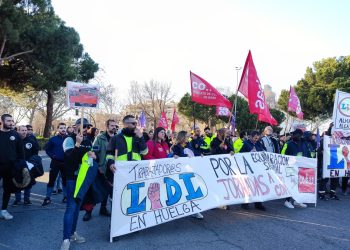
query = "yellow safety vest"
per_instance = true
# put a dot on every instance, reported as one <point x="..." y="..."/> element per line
<point x="134" y="156"/>
<point x="84" y="167"/>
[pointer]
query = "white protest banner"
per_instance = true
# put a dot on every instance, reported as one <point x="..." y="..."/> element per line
<point x="341" y="114"/>
<point x="81" y="95"/>
<point x="336" y="158"/>
<point x="149" y="193"/>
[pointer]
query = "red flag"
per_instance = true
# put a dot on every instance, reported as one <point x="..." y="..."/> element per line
<point x="270" y="120"/>
<point x="204" y="93"/>
<point x="163" y="122"/>
<point x="174" y="121"/>
<point x="294" y="103"/>
<point x="250" y="87"/>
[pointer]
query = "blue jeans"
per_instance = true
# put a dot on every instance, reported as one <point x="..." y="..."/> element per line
<point x="58" y="181"/>
<point x="26" y="194"/>
<point x="72" y="211"/>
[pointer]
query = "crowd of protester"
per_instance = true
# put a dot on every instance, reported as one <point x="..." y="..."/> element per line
<point x="83" y="161"/>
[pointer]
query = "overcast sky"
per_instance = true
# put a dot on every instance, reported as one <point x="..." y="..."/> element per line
<point x="163" y="40"/>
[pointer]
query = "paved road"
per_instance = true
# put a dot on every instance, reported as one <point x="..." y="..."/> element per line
<point x="324" y="227"/>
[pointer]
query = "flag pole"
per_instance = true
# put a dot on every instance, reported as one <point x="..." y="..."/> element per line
<point x="194" y="118"/>
<point x="234" y="108"/>
<point x="257" y="121"/>
<point x="82" y="121"/>
<point x="285" y="129"/>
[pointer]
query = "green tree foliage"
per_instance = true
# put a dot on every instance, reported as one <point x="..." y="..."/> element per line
<point x="245" y="121"/>
<point x="197" y="111"/>
<point x="316" y="90"/>
<point x="55" y="57"/>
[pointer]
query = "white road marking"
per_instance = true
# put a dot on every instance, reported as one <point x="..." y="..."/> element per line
<point x="291" y="220"/>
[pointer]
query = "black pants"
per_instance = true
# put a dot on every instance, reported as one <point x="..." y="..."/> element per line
<point x="333" y="186"/>
<point x="344" y="183"/>
<point x="55" y="168"/>
<point x="5" y="175"/>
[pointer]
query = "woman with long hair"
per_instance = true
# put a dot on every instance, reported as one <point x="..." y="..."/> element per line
<point x="182" y="148"/>
<point x="157" y="147"/>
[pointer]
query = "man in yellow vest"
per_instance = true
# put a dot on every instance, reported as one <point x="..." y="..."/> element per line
<point x="129" y="145"/>
<point x="238" y="144"/>
<point x="208" y="138"/>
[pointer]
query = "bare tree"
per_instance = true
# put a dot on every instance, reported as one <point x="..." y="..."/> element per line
<point x="151" y="97"/>
<point x="60" y="106"/>
<point x="109" y="100"/>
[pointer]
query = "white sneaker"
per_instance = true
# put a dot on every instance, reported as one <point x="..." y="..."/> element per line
<point x="288" y="204"/>
<point x="198" y="216"/>
<point x="65" y="245"/>
<point x="302" y="205"/>
<point x="6" y="215"/>
<point x="77" y="238"/>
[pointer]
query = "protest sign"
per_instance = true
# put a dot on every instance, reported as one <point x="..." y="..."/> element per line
<point x="149" y="193"/>
<point x="81" y="95"/>
<point x="341" y="114"/>
<point x="336" y="162"/>
<point x="222" y="111"/>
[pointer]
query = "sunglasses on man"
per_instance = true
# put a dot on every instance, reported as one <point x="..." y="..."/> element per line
<point x="132" y="123"/>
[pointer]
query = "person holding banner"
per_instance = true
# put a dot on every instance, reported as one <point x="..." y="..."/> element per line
<point x="198" y="144"/>
<point x="253" y="145"/>
<point x="221" y="144"/>
<point x="296" y="147"/>
<point x="181" y="149"/>
<point x="271" y="144"/>
<point x="208" y="138"/>
<point x="157" y="147"/>
<point x="311" y="143"/>
<point x="182" y="146"/>
<point x="323" y="181"/>
<point x="128" y="145"/>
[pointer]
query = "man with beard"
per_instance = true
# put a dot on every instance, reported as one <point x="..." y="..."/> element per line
<point x="31" y="148"/>
<point x="221" y="144"/>
<point x="54" y="150"/>
<point x="100" y="144"/>
<point x="208" y="138"/>
<point x="128" y="145"/>
<point x="11" y="148"/>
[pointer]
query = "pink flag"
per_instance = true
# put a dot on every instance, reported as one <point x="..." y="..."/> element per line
<point x="250" y="87"/>
<point x="175" y="120"/>
<point x="204" y="93"/>
<point x="294" y="104"/>
<point x="163" y="122"/>
<point x="222" y="111"/>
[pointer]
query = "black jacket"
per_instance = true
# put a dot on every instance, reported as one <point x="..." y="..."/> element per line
<point x="11" y="147"/>
<point x="215" y="147"/>
<point x="249" y="146"/>
<point x="31" y="147"/>
<point x="118" y="142"/>
<point x="73" y="157"/>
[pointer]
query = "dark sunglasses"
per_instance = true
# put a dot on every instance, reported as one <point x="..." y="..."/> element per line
<point x="132" y="123"/>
